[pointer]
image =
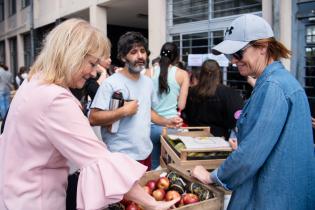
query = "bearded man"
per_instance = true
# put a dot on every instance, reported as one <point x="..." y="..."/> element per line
<point x="135" y="115"/>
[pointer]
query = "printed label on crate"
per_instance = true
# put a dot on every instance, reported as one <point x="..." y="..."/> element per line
<point x="202" y="142"/>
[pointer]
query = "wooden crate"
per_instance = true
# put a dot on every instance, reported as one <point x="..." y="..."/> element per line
<point x="170" y="155"/>
<point x="215" y="203"/>
<point x="187" y="171"/>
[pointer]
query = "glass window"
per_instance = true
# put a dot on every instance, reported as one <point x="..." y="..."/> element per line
<point x="12" y="7"/>
<point x="223" y="8"/>
<point x="13" y="55"/>
<point x="310" y="34"/>
<point x="201" y="43"/>
<point x="2" y="52"/>
<point x="1" y="10"/>
<point x="25" y="3"/>
<point x="197" y="43"/>
<point x="184" y="11"/>
<point x="27" y="49"/>
<point x="310" y="71"/>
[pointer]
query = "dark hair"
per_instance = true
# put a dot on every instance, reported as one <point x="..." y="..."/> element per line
<point x="5" y="67"/>
<point x="127" y="41"/>
<point x="169" y="55"/>
<point x="181" y="65"/>
<point x="209" y="79"/>
<point x="22" y="70"/>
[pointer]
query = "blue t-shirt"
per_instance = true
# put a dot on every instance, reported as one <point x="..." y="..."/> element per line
<point x="133" y="135"/>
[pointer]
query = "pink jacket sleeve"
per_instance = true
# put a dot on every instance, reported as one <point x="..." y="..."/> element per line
<point x="105" y="177"/>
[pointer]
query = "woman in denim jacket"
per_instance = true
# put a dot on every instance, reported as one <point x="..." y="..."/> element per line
<point x="273" y="166"/>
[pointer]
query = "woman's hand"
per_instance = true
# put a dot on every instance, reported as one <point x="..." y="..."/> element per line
<point x="162" y="205"/>
<point x="174" y="122"/>
<point x="140" y="196"/>
<point x="233" y="143"/>
<point x="200" y="173"/>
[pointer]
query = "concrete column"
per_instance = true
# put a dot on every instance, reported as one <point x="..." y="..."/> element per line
<point x="98" y="18"/>
<point x="278" y="14"/>
<point x="267" y="10"/>
<point x="20" y="50"/>
<point x="286" y="27"/>
<point x="157" y="26"/>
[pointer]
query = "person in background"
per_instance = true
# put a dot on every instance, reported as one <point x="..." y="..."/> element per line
<point x="21" y="76"/>
<point x="273" y="166"/>
<point x="45" y="130"/>
<point x="5" y="89"/>
<point x="194" y="76"/>
<point x="313" y="122"/>
<point x="210" y="103"/>
<point x="133" y="134"/>
<point x="156" y="61"/>
<point x="181" y="65"/>
<point x="92" y="84"/>
<point x="171" y="86"/>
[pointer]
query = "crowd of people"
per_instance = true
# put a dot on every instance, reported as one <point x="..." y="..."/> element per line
<point x="273" y="156"/>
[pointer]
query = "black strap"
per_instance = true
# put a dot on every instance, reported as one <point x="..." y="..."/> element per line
<point x="3" y="121"/>
<point x="71" y="199"/>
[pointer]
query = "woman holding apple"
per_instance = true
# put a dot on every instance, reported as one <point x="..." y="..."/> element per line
<point x="45" y="128"/>
<point x="273" y="166"/>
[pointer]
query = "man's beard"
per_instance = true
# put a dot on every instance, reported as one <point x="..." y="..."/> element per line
<point x="134" y="68"/>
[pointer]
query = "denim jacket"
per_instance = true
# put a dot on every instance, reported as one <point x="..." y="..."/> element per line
<point x="273" y="167"/>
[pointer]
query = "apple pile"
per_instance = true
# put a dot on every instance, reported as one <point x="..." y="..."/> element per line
<point x="172" y="186"/>
<point x="167" y="188"/>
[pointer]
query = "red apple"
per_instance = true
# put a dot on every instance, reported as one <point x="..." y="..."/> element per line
<point x="158" y="194"/>
<point x="125" y="202"/>
<point x="148" y="190"/>
<point x="163" y="183"/>
<point x="180" y="203"/>
<point x="190" y="198"/>
<point x="132" y="206"/>
<point x="151" y="184"/>
<point x="171" y="195"/>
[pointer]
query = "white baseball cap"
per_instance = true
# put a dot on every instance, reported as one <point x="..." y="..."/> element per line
<point x="243" y="30"/>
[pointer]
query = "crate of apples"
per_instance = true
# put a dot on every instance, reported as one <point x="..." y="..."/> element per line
<point x="168" y="185"/>
<point x="172" y="186"/>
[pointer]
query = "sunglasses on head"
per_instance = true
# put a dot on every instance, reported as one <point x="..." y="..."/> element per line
<point x="239" y="54"/>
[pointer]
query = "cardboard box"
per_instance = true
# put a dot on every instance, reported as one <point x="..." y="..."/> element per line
<point x="215" y="203"/>
<point x="214" y="157"/>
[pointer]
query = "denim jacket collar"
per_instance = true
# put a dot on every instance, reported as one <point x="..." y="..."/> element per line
<point x="267" y="71"/>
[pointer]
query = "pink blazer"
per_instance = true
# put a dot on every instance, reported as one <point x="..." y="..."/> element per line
<point x="45" y="128"/>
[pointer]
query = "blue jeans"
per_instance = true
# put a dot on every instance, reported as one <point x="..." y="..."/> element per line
<point x="156" y="131"/>
<point x="4" y="103"/>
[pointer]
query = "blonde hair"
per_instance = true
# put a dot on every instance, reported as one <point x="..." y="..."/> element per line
<point x="65" y="49"/>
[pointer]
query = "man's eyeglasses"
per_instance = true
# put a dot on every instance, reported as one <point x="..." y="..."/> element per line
<point x="239" y="54"/>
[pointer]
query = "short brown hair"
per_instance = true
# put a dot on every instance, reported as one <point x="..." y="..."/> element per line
<point x="275" y="50"/>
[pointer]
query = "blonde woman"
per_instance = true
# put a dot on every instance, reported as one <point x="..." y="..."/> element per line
<point x="45" y="128"/>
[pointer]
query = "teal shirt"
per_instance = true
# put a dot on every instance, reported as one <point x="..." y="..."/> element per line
<point x="166" y="105"/>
